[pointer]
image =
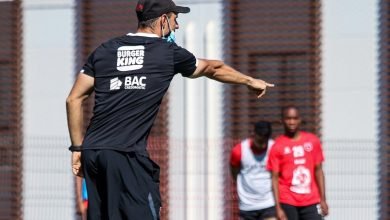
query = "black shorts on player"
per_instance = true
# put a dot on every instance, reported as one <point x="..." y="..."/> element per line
<point x="118" y="194"/>
<point x="258" y="214"/>
<point x="310" y="212"/>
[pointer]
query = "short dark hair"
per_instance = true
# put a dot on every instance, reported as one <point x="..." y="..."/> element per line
<point x="263" y="128"/>
<point x="287" y="107"/>
<point x="151" y="23"/>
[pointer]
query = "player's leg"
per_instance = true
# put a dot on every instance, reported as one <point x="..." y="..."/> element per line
<point x="128" y="182"/>
<point x="149" y="171"/>
<point x="90" y="174"/>
<point x="310" y="212"/>
<point x="268" y="213"/>
<point x="290" y="211"/>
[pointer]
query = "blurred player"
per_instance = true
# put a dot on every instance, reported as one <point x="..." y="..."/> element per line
<point x="130" y="75"/>
<point x="81" y="198"/>
<point x="248" y="166"/>
<point x="298" y="180"/>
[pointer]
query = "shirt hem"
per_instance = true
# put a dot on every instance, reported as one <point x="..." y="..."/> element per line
<point x="256" y="208"/>
<point x="126" y="150"/>
<point x="301" y="205"/>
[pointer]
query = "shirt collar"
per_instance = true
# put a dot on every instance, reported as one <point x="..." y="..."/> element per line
<point x="142" y="34"/>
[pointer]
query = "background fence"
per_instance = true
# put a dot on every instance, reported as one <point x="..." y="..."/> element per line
<point x="351" y="169"/>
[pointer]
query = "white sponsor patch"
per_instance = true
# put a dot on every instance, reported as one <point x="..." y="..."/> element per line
<point x="130" y="58"/>
<point x="308" y="146"/>
<point x="129" y="82"/>
<point x="115" y="84"/>
<point x="135" y="82"/>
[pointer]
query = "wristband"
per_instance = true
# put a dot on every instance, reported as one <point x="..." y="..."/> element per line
<point x="75" y="148"/>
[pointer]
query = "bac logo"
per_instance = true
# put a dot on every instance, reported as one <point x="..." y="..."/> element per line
<point x="135" y="82"/>
<point x="130" y="58"/>
<point x="129" y="82"/>
<point x="115" y="84"/>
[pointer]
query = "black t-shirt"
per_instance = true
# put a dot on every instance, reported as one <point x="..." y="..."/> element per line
<point x="132" y="74"/>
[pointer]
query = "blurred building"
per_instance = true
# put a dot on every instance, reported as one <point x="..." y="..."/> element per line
<point x="384" y="107"/>
<point x="48" y="74"/>
<point x="350" y="110"/>
<point x="278" y="41"/>
<point x="322" y="55"/>
<point x="11" y="110"/>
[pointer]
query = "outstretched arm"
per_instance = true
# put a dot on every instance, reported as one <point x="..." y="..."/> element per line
<point x="219" y="71"/>
<point x="82" y="88"/>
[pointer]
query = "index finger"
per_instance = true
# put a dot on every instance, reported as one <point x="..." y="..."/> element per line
<point x="261" y="94"/>
<point x="270" y="85"/>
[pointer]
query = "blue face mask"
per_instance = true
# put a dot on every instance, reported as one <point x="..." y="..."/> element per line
<point x="171" y="37"/>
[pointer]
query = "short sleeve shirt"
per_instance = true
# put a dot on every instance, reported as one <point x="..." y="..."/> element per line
<point x="132" y="74"/>
<point x="295" y="160"/>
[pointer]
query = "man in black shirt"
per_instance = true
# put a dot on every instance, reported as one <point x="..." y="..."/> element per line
<point x="130" y="75"/>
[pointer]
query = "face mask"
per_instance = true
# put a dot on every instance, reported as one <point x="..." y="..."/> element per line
<point x="171" y="37"/>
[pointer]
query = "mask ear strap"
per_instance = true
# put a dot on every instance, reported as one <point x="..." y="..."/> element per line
<point x="162" y="30"/>
<point x="169" y="25"/>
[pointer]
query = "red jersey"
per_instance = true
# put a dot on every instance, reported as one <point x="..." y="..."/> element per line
<point x="295" y="160"/>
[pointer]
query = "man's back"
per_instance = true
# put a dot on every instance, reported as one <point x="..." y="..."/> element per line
<point x="132" y="73"/>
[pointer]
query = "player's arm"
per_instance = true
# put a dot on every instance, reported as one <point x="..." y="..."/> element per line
<point x="219" y="71"/>
<point x="81" y="90"/>
<point x="319" y="174"/>
<point x="235" y="161"/>
<point x="275" y="190"/>
<point x="273" y="166"/>
<point x="234" y="170"/>
<point x="320" y="180"/>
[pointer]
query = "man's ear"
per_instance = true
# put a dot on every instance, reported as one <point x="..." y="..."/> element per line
<point x="163" y="20"/>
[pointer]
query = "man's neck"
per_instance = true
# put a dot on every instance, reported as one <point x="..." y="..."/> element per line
<point x="293" y="135"/>
<point x="146" y="31"/>
<point x="260" y="147"/>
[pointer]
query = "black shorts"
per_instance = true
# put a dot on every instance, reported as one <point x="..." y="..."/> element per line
<point x="121" y="185"/>
<point x="310" y="212"/>
<point x="258" y="214"/>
